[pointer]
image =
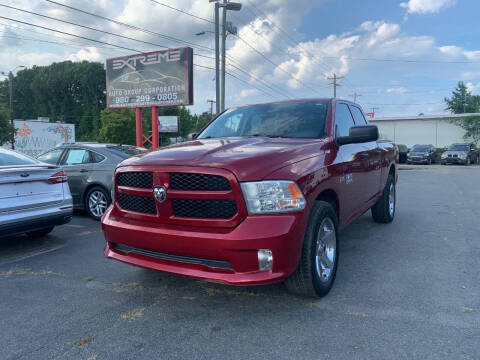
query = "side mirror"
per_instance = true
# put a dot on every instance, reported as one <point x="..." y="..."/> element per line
<point x="359" y="134"/>
<point x="194" y="136"/>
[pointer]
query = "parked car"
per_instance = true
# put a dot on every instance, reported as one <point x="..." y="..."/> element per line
<point x="258" y="197"/>
<point x="90" y="168"/>
<point x="402" y="153"/>
<point x="460" y="154"/>
<point x="422" y="154"/>
<point x="34" y="196"/>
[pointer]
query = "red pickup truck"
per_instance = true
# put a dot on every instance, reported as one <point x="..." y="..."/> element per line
<point x="258" y="197"/>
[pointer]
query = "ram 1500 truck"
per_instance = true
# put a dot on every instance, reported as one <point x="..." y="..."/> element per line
<point x="258" y="197"/>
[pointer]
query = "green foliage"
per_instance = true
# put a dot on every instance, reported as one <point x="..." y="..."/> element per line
<point x="6" y="128"/>
<point x="118" y="126"/>
<point x="66" y="91"/>
<point x="74" y="92"/>
<point x="471" y="125"/>
<point x="462" y="101"/>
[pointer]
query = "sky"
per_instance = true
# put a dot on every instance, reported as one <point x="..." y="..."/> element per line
<point x="401" y="57"/>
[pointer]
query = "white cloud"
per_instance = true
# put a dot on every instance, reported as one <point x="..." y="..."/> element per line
<point x="248" y="92"/>
<point x="397" y="90"/>
<point x="89" y="54"/>
<point x="474" y="89"/>
<point x="426" y="6"/>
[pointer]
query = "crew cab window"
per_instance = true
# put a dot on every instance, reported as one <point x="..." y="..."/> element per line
<point x="358" y="116"/>
<point x="51" y="157"/>
<point x="95" y="157"/>
<point x="343" y="120"/>
<point x="77" y="156"/>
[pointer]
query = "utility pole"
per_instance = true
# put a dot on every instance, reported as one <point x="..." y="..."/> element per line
<point x="335" y="83"/>
<point x="373" y="110"/>
<point x="211" y="106"/>
<point x="355" y="95"/>
<point x="217" y="59"/>
<point x="224" y="36"/>
<point x="10" y="92"/>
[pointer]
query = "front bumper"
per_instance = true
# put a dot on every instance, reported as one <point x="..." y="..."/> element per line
<point x="454" y="160"/>
<point x="206" y="253"/>
<point x="417" y="160"/>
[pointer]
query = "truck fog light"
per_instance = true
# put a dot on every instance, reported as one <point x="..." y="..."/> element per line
<point x="265" y="259"/>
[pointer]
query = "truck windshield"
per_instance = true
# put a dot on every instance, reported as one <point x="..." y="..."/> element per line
<point x="459" y="147"/>
<point x="289" y="120"/>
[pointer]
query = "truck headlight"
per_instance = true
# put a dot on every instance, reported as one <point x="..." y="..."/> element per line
<point x="272" y="196"/>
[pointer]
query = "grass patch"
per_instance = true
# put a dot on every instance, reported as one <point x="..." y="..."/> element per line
<point x="132" y="315"/>
<point x="88" y="278"/>
<point x="84" y="341"/>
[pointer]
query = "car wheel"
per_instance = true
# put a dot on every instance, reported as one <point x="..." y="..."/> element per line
<point x="96" y="202"/>
<point x="318" y="262"/>
<point x="40" y="233"/>
<point x="384" y="209"/>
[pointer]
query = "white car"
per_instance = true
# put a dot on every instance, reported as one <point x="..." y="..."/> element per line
<point x="34" y="196"/>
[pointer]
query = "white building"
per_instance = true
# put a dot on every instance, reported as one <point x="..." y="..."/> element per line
<point x="438" y="130"/>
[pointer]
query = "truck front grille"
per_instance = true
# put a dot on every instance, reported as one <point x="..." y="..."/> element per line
<point x="140" y="204"/>
<point x="137" y="179"/>
<point x="206" y="209"/>
<point x="199" y="182"/>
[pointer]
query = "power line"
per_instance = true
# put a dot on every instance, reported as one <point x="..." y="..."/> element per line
<point x="246" y="43"/>
<point x="121" y="47"/>
<point x="164" y="36"/>
<point x="140" y="29"/>
<point x="335" y="78"/>
<point x="181" y="11"/>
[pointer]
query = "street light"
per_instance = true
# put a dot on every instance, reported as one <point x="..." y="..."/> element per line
<point x="220" y="104"/>
<point x="10" y="91"/>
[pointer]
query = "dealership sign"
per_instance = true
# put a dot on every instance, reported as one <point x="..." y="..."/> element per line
<point x="158" y="78"/>
<point x="168" y="124"/>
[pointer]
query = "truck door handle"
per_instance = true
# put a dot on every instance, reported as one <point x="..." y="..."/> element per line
<point x="83" y="170"/>
<point x="363" y="156"/>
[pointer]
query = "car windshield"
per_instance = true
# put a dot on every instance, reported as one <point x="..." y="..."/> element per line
<point x="124" y="151"/>
<point x="420" y="149"/>
<point x="289" y="120"/>
<point x="459" y="147"/>
<point x="11" y="158"/>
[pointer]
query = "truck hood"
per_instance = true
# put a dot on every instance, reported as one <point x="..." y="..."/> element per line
<point x="250" y="158"/>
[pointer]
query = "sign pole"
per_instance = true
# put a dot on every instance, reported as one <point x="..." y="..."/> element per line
<point x="155" y="127"/>
<point x="138" y="122"/>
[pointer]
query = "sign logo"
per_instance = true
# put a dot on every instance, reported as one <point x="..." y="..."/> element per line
<point x="160" y="193"/>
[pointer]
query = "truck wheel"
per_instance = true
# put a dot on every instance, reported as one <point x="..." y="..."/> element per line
<point x="96" y="202"/>
<point x="384" y="209"/>
<point x="40" y="233"/>
<point x="317" y="267"/>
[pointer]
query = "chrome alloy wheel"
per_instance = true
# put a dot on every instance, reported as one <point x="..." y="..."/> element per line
<point x="391" y="200"/>
<point x="97" y="203"/>
<point x="326" y="251"/>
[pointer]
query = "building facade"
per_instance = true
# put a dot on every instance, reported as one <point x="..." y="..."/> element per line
<point x="438" y="130"/>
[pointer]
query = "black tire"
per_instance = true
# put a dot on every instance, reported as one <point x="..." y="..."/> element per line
<point x="381" y="211"/>
<point x="306" y="280"/>
<point x="96" y="212"/>
<point x="40" y="233"/>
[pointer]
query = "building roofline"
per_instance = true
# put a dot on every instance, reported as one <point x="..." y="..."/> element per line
<point x="424" y="117"/>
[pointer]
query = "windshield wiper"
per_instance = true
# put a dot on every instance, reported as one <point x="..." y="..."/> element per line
<point x="266" y="135"/>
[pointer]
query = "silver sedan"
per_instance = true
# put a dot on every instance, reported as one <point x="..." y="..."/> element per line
<point x="34" y="196"/>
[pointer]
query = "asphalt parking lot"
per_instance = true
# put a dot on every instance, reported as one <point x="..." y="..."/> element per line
<point x="407" y="290"/>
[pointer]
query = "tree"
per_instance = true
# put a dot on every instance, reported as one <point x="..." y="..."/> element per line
<point x="118" y="126"/>
<point x="6" y="128"/>
<point x="462" y="101"/>
<point x="471" y="125"/>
